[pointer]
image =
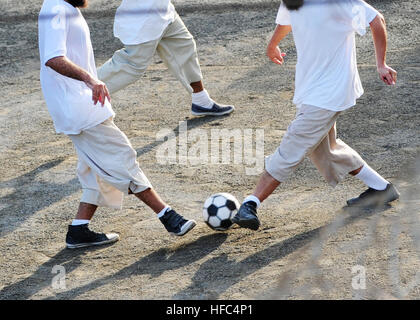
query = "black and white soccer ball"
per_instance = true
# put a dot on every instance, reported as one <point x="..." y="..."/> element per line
<point x="219" y="209"/>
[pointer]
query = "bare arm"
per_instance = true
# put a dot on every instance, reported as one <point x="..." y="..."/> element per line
<point x="378" y="27"/>
<point x="273" y="51"/>
<point x="69" y="69"/>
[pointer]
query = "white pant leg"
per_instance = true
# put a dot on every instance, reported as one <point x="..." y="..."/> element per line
<point x="95" y="190"/>
<point x="304" y="134"/>
<point x="334" y="159"/>
<point x="312" y="133"/>
<point x="178" y="50"/>
<point x="106" y="155"/>
<point x="127" y="65"/>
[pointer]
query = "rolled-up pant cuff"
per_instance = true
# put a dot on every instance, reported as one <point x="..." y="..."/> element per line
<point x="96" y="198"/>
<point x="134" y="189"/>
<point x="279" y="175"/>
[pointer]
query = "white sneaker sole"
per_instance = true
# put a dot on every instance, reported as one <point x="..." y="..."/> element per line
<point x="212" y="113"/>
<point x="188" y="226"/>
<point x="112" y="238"/>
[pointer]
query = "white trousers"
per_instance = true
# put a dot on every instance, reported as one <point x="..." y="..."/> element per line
<point x="107" y="167"/>
<point x="176" y="47"/>
<point x="313" y="133"/>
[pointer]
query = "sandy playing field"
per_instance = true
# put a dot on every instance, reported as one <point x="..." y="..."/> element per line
<point x="308" y="245"/>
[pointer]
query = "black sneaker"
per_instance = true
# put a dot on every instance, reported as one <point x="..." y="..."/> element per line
<point x="80" y="237"/>
<point x="176" y="224"/>
<point x="215" y="110"/>
<point x="375" y="198"/>
<point x="247" y="216"/>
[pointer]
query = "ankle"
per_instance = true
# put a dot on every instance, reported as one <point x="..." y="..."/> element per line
<point x="78" y="222"/>
<point x="202" y="99"/>
<point x="163" y="212"/>
<point x="371" y="178"/>
<point x="253" y="199"/>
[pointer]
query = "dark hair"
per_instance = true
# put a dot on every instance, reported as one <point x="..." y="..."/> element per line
<point x="78" y="3"/>
<point x="293" y="4"/>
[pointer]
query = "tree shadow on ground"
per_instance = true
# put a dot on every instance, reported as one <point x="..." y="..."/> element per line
<point x="42" y="278"/>
<point x="30" y="196"/>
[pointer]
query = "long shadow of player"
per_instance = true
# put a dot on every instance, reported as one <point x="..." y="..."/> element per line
<point x="213" y="277"/>
<point x="42" y="278"/>
<point x="218" y="274"/>
<point x="30" y="197"/>
<point x="154" y="264"/>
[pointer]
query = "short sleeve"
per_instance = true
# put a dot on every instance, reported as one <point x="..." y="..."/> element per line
<point x="361" y="15"/>
<point x="283" y="16"/>
<point x="53" y="27"/>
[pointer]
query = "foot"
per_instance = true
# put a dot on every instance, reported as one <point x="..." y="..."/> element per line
<point x="176" y="224"/>
<point x="375" y="198"/>
<point x="80" y="236"/>
<point x="247" y="216"/>
<point x="216" y="110"/>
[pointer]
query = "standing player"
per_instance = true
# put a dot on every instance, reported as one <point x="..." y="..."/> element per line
<point x="107" y="165"/>
<point x="327" y="83"/>
<point x="149" y="26"/>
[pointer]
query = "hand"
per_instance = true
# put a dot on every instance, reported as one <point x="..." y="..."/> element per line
<point x="275" y="55"/>
<point x="387" y="74"/>
<point x="99" y="91"/>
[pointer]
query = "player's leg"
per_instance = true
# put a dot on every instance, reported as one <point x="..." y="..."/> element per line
<point x="380" y="191"/>
<point x="79" y="235"/>
<point x="171" y="220"/>
<point x="197" y="86"/>
<point x="108" y="153"/>
<point x="178" y="50"/>
<point x="127" y="65"/>
<point x="85" y="212"/>
<point x="335" y="159"/>
<point x="247" y="214"/>
<point x="304" y="134"/>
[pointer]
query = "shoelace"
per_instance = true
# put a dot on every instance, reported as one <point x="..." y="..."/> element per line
<point x="366" y="193"/>
<point x="92" y="234"/>
<point x="173" y="219"/>
<point x="252" y="207"/>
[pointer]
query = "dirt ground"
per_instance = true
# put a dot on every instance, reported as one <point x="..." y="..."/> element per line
<point x="308" y="245"/>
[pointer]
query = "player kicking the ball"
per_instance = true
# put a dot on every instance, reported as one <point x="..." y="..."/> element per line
<point x="107" y="166"/>
<point x="149" y="26"/>
<point x="327" y="83"/>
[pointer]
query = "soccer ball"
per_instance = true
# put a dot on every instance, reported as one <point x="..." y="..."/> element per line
<point x="218" y="211"/>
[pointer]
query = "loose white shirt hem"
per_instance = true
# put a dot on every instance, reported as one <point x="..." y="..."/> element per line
<point x="64" y="32"/>
<point x="140" y="21"/>
<point x="324" y="34"/>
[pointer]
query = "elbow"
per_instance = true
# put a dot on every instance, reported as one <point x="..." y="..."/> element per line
<point x="381" y="19"/>
<point x="378" y="23"/>
<point x="49" y="63"/>
<point x="52" y="62"/>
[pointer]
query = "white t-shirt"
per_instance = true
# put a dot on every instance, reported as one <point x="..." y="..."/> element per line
<point x="64" y="32"/>
<point x="324" y="34"/>
<point x="139" y="21"/>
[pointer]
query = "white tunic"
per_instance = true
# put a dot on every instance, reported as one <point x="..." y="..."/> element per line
<point x="63" y="32"/>
<point x="139" y="21"/>
<point x="324" y="34"/>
